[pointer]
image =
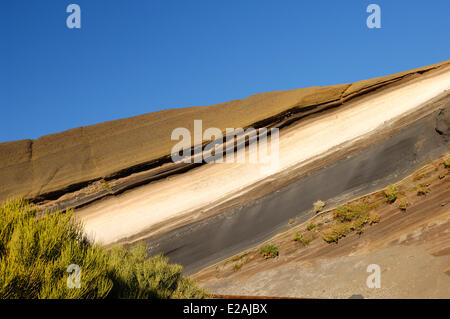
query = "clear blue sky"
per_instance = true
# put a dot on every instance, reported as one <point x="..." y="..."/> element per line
<point x="133" y="56"/>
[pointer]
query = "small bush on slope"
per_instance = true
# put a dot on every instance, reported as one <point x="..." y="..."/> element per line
<point x="136" y="276"/>
<point x="447" y="162"/>
<point x="35" y="254"/>
<point x="391" y="193"/>
<point x="403" y="205"/>
<point x="318" y="206"/>
<point x="269" y="251"/>
<point x="350" y="218"/>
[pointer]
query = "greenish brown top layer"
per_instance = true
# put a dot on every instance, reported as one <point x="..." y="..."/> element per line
<point x="53" y="162"/>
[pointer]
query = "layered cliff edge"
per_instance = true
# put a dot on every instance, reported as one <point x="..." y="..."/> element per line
<point x="52" y="165"/>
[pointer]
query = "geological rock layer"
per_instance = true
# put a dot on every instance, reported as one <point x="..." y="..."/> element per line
<point x="52" y="165"/>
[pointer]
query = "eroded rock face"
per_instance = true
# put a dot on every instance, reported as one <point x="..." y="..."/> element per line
<point x="63" y="161"/>
<point x="443" y="122"/>
<point x="56" y="163"/>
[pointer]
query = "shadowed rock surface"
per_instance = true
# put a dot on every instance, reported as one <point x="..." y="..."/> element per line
<point x="443" y="122"/>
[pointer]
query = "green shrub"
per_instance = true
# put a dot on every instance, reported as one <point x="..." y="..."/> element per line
<point x="343" y="213"/>
<point x="350" y="218"/>
<point x="403" y="204"/>
<point x="136" y="276"/>
<point x="311" y="226"/>
<point x="422" y="190"/>
<point x="336" y="232"/>
<point x="390" y="193"/>
<point x="238" y="266"/>
<point x="318" y="206"/>
<point x="35" y="253"/>
<point x="302" y="239"/>
<point x="350" y="212"/>
<point x="269" y="251"/>
<point x="447" y="162"/>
